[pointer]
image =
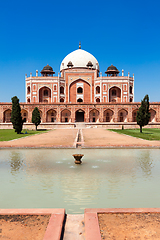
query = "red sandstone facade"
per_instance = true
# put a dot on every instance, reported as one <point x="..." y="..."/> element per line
<point x="80" y="94"/>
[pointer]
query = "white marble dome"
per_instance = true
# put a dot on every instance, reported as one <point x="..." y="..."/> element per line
<point x="79" y="58"/>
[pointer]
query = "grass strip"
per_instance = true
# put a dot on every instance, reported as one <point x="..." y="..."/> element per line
<point x="147" y="134"/>
<point x="10" y="134"/>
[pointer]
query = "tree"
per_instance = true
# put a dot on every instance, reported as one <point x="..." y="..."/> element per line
<point x="16" y="117"/>
<point x="36" y="118"/>
<point x="143" y="114"/>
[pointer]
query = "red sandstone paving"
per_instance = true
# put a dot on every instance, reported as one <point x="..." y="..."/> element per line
<point x="104" y="138"/>
<point x="53" y="138"/>
<point x="93" y="137"/>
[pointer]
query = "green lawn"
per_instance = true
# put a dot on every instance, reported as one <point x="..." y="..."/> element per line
<point x="10" y="134"/>
<point x="147" y="133"/>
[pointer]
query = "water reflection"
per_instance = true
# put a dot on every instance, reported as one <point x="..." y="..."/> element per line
<point x="146" y="163"/>
<point x="16" y="161"/>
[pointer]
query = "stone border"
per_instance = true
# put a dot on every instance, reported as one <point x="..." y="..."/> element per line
<point x="92" y="230"/>
<point x="55" y="225"/>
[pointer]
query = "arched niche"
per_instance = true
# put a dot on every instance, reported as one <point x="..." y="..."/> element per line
<point x="28" y="90"/>
<point x="153" y="115"/>
<point x="65" y="115"/>
<point x="134" y="115"/>
<point x="7" y="116"/>
<point x="79" y="90"/>
<point x="114" y="94"/>
<point x="108" y="115"/>
<point x="98" y="90"/>
<point x="79" y="100"/>
<point x="94" y="115"/>
<point x="61" y="99"/>
<point x="79" y="115"/>
<point x="61" y="90"/>
<point x="79" y="85"/>
<point x="51" y="115"/>
<point x="45" y="95"/>
<point x="122" y="115"/>
<point x="24" y="114"/>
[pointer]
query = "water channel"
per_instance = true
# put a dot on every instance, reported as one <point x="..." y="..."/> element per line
<point x="48" y="178"/>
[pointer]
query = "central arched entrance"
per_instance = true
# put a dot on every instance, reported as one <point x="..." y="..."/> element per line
<point x="79" y="116"/>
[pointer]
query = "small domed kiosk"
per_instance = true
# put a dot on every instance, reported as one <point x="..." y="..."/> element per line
<point x="47" y="71"/>
<point x="112" y="71"/>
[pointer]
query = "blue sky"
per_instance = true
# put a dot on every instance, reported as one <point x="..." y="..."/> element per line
<point x="36" y="33"/>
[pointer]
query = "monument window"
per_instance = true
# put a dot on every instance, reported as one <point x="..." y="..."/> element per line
<point x="113" y="92"/>
<point x="121" y="117"/>
<point x="130" y="89"/>
<point x="97" y="90"/>
<point x="45" y="92"/>
<point x="97" y="100"/>
<point x="79" y="90"/>
<point x="79" y="100"/>
<point x="28" y="90"/>
<point x="62" y="100"/>
<point x="61" y="90"/>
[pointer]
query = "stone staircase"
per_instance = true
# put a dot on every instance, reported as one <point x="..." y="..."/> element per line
<point x="80" y="125"/>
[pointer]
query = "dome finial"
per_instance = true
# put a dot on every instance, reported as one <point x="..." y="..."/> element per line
<point x="79" y="44"/>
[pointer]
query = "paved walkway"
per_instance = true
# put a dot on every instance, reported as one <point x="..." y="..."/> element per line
<point x="53" y="138"/>
<point x="93" y="137"/>
<point x="103" y="138"/>
<point x="74" y="227"/>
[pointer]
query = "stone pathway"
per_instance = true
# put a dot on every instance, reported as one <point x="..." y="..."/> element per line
<point x="74" y="227"/>
<point x="90" y="138"/>
<point x="95" y="137"/>
<point x="54" y="138"/>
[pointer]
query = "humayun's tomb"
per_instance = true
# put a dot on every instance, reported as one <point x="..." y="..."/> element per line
<point x="80" y="94"/>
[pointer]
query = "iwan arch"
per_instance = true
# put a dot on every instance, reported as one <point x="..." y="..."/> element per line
<point x="80" y="94"/>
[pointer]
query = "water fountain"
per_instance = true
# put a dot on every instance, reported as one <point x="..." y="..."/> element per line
<point x="77" y="158"/>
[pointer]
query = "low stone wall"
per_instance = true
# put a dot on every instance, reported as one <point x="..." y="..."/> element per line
<point x="31" y="126"/>
<point x="119" y="125"/>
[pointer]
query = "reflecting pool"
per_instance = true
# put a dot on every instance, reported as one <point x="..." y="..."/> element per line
<point x="48" y="178"/>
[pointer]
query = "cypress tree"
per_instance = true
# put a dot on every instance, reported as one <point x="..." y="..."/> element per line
<point x="143" y="114"/>
<point x="36" y="118"/>
<point x="16" y="117"/>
